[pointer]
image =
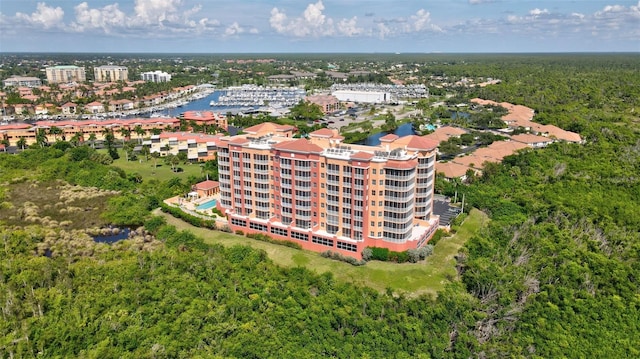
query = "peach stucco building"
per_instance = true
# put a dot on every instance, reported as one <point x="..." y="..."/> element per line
<point x="326" y="195"/>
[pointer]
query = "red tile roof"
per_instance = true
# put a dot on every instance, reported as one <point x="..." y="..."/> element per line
<point x="451" y="169"/>
<point x="16" y="126"/>
<point x="323" y="132"/>
<point x="268" y="127"/>
<point x="529" y="138"/>
<point x="414" y="142"/>
<point x="207" y="185"/>
<point x="300" y="145"/>
<point x="401" y="165"/>
<point x="362" y="156"/>
<point x="238" y="141"/>
<point x="389" y="137"/>
<point x="476" y="161"/>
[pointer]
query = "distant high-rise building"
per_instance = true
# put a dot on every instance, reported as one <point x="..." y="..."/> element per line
<point x="155" y="76"/>
<point x="326" y="195"/>
<point x="110" y="73"/>
<point x="65" y="73"/>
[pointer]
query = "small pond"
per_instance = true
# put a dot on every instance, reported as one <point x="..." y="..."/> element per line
<point x="117" y="235"/>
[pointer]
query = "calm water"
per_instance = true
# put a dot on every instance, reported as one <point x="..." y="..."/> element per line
<point x="123" y="234"/>
<point x="402" y="130"/>
<point x="207" y="205"/>
<point x="198" y="105"/>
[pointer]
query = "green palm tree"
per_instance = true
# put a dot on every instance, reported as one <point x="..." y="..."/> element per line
<point x="140" y="132"/>
<point x="93" y="138"/>
<point x="22" y="143"/>
<point x="55" y="131"/>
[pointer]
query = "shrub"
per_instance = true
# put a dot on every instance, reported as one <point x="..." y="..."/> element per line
<point x="217" y="212"/>
<point x="239" y="232"/>
<point x="154" y="223"/>
<point x="440" y="233"/>
<point x="339" y="257"/>
<point x="425" y="251"/>
<point x="381" y="254"/>
<point x="191" y="219"/>
<point x="367" y="253"/>
<point x="414" y="255"/>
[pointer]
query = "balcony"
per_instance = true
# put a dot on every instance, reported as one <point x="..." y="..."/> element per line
<point x="332" y="220"/>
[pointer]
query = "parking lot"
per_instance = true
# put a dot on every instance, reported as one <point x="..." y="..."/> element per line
<point x="443" y="208"/>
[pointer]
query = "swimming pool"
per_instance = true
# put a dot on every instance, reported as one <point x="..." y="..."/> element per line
<point x="207" y="205"/>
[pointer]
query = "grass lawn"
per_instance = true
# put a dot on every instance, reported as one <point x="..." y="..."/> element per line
<point x="162" y="172"/>
<point x="427" y="277"/>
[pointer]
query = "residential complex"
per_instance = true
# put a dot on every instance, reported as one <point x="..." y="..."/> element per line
<point x="198" y="147"/>
<point x="14" y="132"/>
<point x="65" y="74"/>
<point x="328" y="103"/>
<point x="22" y="81"/>
<point x="155" y="76"/>
<point x="205" y="119"/>
<point x="326" y="195"/>
<point x="110" y="73"/>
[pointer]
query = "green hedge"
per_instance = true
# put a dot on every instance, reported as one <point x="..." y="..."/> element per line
<point x="266" y="238"/>
<point x="191" y="219"/>
<point x="385" y="255"/>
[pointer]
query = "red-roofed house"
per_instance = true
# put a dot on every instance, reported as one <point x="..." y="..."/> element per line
<point x="207" y="188"/>
<point x="452" y="170"/>
<point x="532" y="141"/>
<point x="94" y="107"/>
<point x="444" y="133"/>
<point x="69" y="108"/>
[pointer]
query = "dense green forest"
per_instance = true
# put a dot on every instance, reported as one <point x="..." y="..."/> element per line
<point x="555" y="274"/>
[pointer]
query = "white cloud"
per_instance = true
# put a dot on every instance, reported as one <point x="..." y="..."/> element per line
<point x="422" y="21"/>
<point x="312" y="23"/>
<point x="157" y="11"/>
<point x="538" y="12"/>
<point x="149" y="18"/>
<point x="105" y="19"/>
<point x="235" y="29"/>
<point x="476" y="2"/>
<point x="416" y="23"/>
<point x="45" y="16"/>
<point x="612" y="21"/>
<point x="349" y="27"/>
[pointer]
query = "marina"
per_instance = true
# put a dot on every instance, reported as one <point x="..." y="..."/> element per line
<point x="252" y="95"/>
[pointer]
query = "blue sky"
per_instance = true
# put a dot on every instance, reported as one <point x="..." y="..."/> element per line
<point x="257" y="26"/>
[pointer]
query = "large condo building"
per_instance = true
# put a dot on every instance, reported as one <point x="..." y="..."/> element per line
<point x="110" y="73"/>
<point x="155" y="76"/>
<point x="64" y="74"/>
<point x="326" y="195"/>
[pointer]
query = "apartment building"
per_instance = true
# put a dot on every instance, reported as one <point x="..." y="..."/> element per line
<point x="65" y="74"/>
<point x="14" y="132"/>
<point x="155" y="76"/>
<point x="328" y="103"/>
<point x="110" y="73"/>
<point x="198" y="147"/>
<point x="22" y="81"/>
<point x="206" y="118"/>
<point x="326" y="195"/>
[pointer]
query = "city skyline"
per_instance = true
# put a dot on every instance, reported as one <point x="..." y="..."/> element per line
<point x="197" y="26"/>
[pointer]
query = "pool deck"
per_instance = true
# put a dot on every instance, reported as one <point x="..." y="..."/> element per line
<point x="189" y="205"/>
